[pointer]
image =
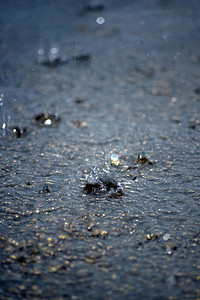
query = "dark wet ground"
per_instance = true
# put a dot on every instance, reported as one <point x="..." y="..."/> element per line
<point x="74" y="92"/>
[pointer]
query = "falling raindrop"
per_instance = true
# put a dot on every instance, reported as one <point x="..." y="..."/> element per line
<point x="4" y="117"/>
<point x="166" y="237"/>
<point x="100" y="20"/>
<point x="114" y="159"/>
<point x="4" y="129"/>
<point x="1" y="100"/>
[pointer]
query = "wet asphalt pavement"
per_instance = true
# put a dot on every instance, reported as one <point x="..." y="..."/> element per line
<point x="99" y="149"/>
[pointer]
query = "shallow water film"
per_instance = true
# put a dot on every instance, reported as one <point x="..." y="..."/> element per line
<point x="100" y="149"/>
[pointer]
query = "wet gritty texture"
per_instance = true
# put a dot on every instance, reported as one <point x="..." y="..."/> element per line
<point x="135" y="89"/>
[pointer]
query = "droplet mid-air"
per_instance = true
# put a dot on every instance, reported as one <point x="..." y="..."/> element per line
<point x="166" y="237"/>
<point x="114" y="158"/>
<point x="100" y="20"/>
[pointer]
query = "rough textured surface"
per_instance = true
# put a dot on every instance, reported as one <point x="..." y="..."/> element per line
<point x="129" y="86"/>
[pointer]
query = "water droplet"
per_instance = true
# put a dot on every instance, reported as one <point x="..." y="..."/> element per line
<point x="54" y="50"/>
<point x="166" y="237"/>
<point x="114" y="159"/>
<point x="48" y="122"/>
<point x="1" y="100"/>
<point x="54" y="57"/>
<point x="41" y="51"/>
<point x="100" y="20"/>
<point x="4" y="125"/>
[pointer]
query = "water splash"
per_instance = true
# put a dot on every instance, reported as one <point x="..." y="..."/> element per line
<point x="99" y="181"/>
<point x="4" y="115"/>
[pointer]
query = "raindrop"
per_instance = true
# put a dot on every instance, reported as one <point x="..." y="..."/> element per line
<point x="166" y="237"/>
<point x="100" y="20"/>
<point x="114" y="159"/>
<point x="54" y="51"/>
<point x="48" y="122"/>
<point x="1" y="100"/>
<point x="4" y="115"/>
